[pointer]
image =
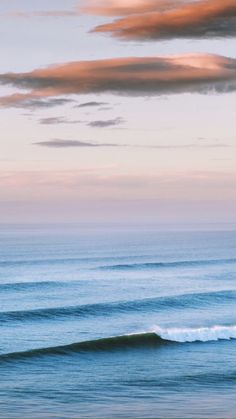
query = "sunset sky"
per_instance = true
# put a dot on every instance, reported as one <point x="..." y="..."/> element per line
<point x="119" y="111"/>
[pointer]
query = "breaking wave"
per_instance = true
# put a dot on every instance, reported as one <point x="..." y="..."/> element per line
<point x="105" y="344"/>
<point x="159" y="337"/>
<point x="202" y="334"/>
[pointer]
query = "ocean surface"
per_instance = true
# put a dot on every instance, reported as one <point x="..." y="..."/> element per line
<point x="117" y="323"/>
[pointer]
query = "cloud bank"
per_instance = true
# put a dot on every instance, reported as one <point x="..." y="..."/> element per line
<point x="142" y="76"/>
<point x="110" y="194"/>
<point x="146" y="20"/>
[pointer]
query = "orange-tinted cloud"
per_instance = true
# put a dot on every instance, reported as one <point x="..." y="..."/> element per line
<point x="99" y="7"/>
<point x="201" y="73"/>
<point x="191" y="19"/>
<point x="125" y="7"/>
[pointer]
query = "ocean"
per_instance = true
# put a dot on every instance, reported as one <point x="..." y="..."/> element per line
<point x="117" y="322"/>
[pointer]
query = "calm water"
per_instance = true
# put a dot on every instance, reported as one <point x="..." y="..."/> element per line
<point x="117" y="324"/>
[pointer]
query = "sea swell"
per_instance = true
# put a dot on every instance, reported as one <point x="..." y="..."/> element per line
<point x="157" y="304"/>
<point x="174" y="264"/>
<point x="121" y="266"/>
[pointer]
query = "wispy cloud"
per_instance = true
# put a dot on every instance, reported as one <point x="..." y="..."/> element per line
<point x="108" y="123"/>
<point x="44" y="13"/>
<point x="60" y="120"/>
<point x="57" y="120"/>
<point x="146" y="76"/>
<point x="98" y="7"/>
<point x="38" y="103"/>
<point x="125" y="7"/>
<point x="91" y="104"/>
<point x="184" y="19"/>
<point x="59" y="143"/>
<point x="64" y="143"/>
<point x="189" y="146"/>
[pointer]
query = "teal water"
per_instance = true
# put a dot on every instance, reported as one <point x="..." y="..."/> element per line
<point x="117" y="323"/>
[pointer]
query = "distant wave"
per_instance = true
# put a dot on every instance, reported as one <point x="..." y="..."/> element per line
<point x="195" y="300"/>
<point x="160" y="337"/>
<point x="175" y="264"/>
<point x="51" y="261"/>
<point x="56" y="260"/>
<point x="23" y="286"/>
<point x="37" y="285"/>
<point x="121" y="266"/>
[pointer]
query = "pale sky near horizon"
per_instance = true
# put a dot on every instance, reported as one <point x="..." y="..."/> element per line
<point x="74" y="150"/>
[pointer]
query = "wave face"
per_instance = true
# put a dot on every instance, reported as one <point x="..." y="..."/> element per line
<point x="107" y="344"/>
<point x="202" y="334"/>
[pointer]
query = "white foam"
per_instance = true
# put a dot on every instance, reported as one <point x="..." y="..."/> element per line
<point x="202" y="334"/>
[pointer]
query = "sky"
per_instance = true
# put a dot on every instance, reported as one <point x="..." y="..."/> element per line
<point x="118" y="111"/>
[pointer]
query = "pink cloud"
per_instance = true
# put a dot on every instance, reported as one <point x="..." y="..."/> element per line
<point x="191" y="19"/>
<point x="141" y="76"/>
<point x="124" y="7"/>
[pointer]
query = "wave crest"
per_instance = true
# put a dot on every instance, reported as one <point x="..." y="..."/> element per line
<point x="202" y="334"/>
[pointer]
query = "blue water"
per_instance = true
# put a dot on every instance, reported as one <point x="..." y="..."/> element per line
<point x="117" y="323"/>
